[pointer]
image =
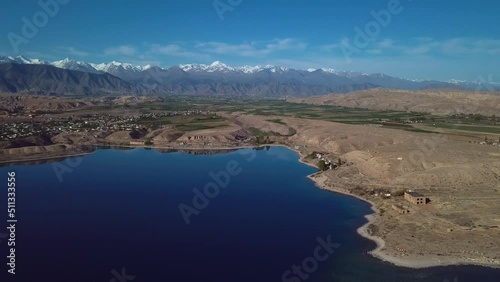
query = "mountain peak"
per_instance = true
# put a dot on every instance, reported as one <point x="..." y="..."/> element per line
<point x="115" y="63"/>
<point x="23" y="60"/>
<point x="121" y="69"/>
<point x="260" y="80"/>
<point x="218" y="64"/>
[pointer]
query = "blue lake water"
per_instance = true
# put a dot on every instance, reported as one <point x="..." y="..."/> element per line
<point x="114" y="216"/>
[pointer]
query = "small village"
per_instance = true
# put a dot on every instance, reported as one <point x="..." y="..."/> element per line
<point x="33" y="125"/>
<point x="326" y="162"/>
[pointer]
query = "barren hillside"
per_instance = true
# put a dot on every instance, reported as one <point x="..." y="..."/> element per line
<point x="32" y="103"/>
<point x="431" y="101"/>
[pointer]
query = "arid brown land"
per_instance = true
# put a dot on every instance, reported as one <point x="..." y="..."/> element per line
<point x="430" y="101"/>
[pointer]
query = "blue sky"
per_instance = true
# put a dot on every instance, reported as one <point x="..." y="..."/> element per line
<point x="422" y="38"/>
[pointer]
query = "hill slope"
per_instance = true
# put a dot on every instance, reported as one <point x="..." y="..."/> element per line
<point x="45" y="79"/>
<point x="443" y="101"/>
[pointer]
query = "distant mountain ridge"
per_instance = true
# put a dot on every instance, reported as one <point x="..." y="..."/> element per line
<point x="50" y="80"/>
<point x="200" y="79"/>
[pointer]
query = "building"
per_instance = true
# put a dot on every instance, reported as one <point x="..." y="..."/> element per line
<point x="415" y="198"/>
<point x="400" y="209"/>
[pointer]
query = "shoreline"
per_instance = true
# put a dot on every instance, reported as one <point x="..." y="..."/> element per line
<point x="20" y="161"/>
<point x="380" y="242"/>
<point x="319" y="181"/>
<point x="69" y="155"/>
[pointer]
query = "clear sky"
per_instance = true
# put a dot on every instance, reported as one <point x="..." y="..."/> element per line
<point x="412" y="39"/>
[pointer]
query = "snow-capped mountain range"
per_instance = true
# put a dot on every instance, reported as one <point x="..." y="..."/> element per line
<point x="221" y="67"/>
<point x="201" y="79"/>
<point x="115" y="68"/>
<point x="76" y="65"/>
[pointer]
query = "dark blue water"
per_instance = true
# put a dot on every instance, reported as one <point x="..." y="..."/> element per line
<point x="114" y="216"/>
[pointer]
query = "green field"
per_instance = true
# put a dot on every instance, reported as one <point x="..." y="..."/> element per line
<point x="279" y="107"/>
<point x="186" y="123"/>
<point x="484" y="129"/>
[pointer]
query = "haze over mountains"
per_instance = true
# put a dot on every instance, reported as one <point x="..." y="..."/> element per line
<point x="70" y="77"/>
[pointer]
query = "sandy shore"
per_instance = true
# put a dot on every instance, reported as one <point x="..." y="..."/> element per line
<point x="415" y="263"/>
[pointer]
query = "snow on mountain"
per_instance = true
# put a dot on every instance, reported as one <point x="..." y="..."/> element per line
<point x="37" y="62"/>
<point x="276" y="69"/>
<point x="418" y="80"/>
<point x="148" y="67"/>
<point x="475" y="82"/>
<point x="22" y="60"/>
<point x="214" y="67"/>
<point x="74" y="65"/>
<point x="456" y="81"/>
<point x="4" y="59"/>
<point x="117" y="66"/>
<point x="250" y="69"/>
<point x="330" y="71"/>
<point x="125" y="69"/>
<point x="347" y="74"/>
<point x="218" y="66"/>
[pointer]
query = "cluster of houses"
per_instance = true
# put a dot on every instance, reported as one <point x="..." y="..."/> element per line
<point x="9" y="131"/>
<point x="12" y="131"/>
<point x="329" y="164"/>
<point x="88" y="123"/>
<point x="490" y="143"/>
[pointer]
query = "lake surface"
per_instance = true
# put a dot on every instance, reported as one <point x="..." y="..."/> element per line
<point x="114" y="216"/>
